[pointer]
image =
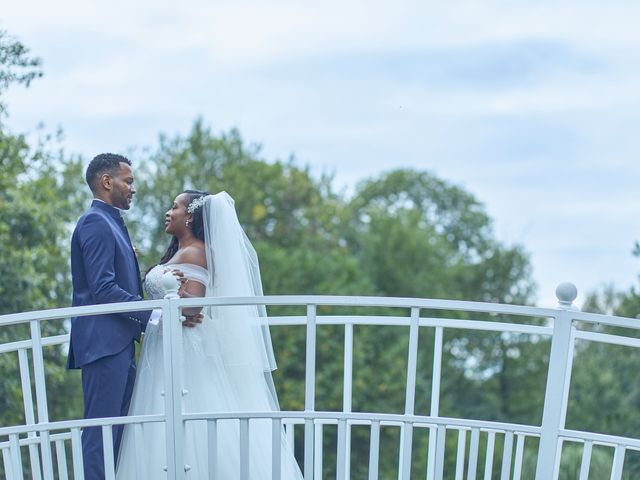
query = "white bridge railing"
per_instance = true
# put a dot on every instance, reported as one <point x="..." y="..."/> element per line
<point x="41" y="447"/>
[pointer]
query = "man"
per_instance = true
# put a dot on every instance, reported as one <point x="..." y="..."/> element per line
<point x="104" y="269"/>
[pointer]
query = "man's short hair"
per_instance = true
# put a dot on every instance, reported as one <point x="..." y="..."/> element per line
<point x="101" y="164"/>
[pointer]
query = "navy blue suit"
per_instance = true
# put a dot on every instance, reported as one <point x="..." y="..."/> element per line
<point x="104" y="269"/>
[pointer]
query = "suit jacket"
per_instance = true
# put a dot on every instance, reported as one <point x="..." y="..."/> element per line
<point x="104" y="269"/>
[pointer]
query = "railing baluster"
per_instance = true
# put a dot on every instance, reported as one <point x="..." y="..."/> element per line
<point x="212" y="448"/>
<point x="347" y="392"/>
<point x="473" y="454"/>
<point x="310" y="389"/>
<point x="244" y="449"/>
<point x="586" y="460"/>
<point x="437" y="370"/>
<point x="507" y="456"/>
<point x="618" y="463"/>
<point x="47" y="460"/>
<point x="139" y="448"/>
<point x="61" y="458"/>
<point x="462" y="445"/>
<point x="16" y="457"/>
<point x="7" y="463"/>
<point x="406" y="443"/>
<point x="318" y="445"/>
<point x="76" y="454"/>
<point x="374" y="450"/>
<point x="434" y="408"/>
<point x="488" y="462"/>
<point x="342" y="440"/>
<point x="290" y="435"/>
<point x="276" y="449"/>
<point x="556" y="466"/>
<point x="347" y="459"/>
<point x="440" y="451"/>
<point x="107" y="449"/>
<point x="29" y="414"/>
<point x="38" y="365"/>
<point x="431" y="454"/>
<point x="517" y="468"/>
<point x="41" y="398"/>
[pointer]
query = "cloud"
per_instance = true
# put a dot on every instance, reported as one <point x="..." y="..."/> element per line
<point x="530" y="106"/>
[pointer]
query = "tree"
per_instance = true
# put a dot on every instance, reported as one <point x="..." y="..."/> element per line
<point x="604" y="379"/>
<point x="15" y="65"/>
<point x="416" y="235"/>
<point x="403" y="233"/>
<point x="38" y="200"/>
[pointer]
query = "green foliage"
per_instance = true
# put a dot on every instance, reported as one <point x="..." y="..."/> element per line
<point x="38" y="203"/>
<point x="15" y="65"/>
<point x="39" y="200"/>
<point x="406" y="233"/>
<point x="604" y="394"/>
<point x="418" y="236"/>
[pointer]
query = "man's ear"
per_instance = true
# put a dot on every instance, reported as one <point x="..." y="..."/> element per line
<point x="106" y="181"/>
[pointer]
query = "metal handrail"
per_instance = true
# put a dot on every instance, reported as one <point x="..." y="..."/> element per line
<point x="559" y="324"/>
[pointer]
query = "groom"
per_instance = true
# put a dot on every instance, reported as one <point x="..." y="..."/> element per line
<point x="104" y="269"/>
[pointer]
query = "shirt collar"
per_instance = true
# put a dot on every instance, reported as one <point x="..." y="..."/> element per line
<point x="102" y="205"/>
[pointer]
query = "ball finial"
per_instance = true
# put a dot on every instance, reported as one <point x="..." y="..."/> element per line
<point x="566" y="293"/>
<point x="170" y="283"/>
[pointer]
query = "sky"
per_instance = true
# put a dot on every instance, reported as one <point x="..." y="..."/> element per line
<point x="532" y="107"/>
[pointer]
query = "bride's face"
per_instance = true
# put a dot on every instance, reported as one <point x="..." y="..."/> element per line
<point x="176" y="217"/>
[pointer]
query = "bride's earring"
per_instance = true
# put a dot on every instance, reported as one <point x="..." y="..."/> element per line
<point x="187" y="223"/>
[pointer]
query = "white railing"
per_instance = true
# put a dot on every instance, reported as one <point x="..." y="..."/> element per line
<point x="32" y="445"/>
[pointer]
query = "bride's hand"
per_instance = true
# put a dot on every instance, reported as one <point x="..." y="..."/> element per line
<point x="192" y="320"/>
<point x="182" y="290"/>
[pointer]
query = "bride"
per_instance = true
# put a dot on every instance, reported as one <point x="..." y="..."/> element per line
<point x="227" y="359"/>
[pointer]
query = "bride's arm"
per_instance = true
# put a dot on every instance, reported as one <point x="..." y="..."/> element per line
<point x="190" y="288"/>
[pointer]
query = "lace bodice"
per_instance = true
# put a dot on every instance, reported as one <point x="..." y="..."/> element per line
<point x="153" y="281"/>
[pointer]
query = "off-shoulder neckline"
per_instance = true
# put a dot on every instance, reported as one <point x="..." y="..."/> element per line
<point x="191" y="265"/>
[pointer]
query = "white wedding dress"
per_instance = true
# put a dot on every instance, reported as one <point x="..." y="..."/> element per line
<point x="217" y="380"/>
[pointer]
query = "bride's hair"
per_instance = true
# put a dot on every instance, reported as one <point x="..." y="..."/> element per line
<point x="197" y="227"/>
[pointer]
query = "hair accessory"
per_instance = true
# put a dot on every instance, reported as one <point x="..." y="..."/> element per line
<point x="196" y="204"/>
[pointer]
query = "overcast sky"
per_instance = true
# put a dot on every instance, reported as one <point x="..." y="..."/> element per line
<point x="531" y="106"/>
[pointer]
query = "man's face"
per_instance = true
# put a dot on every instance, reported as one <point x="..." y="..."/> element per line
<point x="122" y="188"/>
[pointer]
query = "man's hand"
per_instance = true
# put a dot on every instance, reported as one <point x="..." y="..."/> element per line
<point x="192" y="320"/>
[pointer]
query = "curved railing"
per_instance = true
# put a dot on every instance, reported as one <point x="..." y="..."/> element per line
<point x="41" y="446"/>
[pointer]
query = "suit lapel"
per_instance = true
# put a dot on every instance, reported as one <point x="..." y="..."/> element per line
<point x="135" y="257"/>
<point x="117" y="217"/>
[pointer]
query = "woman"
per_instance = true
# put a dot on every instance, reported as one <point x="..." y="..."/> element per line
<point x="227" y="360"/>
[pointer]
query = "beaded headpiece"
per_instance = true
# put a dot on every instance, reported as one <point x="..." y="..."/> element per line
<point x="196" y="203"/>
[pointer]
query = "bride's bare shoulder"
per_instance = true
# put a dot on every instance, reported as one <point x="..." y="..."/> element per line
<point x="193" y="254"/>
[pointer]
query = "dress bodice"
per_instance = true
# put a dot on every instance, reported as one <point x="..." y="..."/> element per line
<point x="153" y="280"/>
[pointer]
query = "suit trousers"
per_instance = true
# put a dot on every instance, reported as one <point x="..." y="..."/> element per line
<point x="107" y="385"/>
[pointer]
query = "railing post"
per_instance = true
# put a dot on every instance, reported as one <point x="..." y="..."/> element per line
<point x="553" y="414"/>
<point x="41" y="399"/>
<point x="347" y="394"/>
<point x="310" y="392"/>
<point x="172" y="342"/>
<point x="434" y="409"/>
<point x="406" y="432"/>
